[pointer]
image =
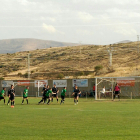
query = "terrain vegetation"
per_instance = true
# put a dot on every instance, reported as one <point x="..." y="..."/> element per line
<point x="85" y="61"/>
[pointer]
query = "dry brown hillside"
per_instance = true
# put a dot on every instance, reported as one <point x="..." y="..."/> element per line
<point x="77" y="61"/>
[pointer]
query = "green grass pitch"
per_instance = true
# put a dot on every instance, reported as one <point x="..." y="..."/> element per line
<point x="89" y="120"/>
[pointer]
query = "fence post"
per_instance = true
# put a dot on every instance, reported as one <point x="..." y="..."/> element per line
<point x="36" y="94"/>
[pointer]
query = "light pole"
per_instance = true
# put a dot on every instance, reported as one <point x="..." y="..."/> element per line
<point x="138" y="42"/>
<point x="110" y="50"/>
<point x="28" y="66"/>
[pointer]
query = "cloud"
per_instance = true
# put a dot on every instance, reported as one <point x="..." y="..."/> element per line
<point x="126" y="30"/>
<point x="84" y="32"/>
<point x="23" y="2"/>
<point x="49" y="28"/>
<point x="85" y="17"/>
<point x="48" y="18"/>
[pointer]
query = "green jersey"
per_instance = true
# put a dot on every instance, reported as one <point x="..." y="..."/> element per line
<point x="63" y="92"/>
<point x="2" y="93"/>
<point x="25" y="93"/>
<point x="48" y="93"/>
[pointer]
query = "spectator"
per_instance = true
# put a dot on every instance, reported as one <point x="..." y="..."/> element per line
<point x="103" y="92"/>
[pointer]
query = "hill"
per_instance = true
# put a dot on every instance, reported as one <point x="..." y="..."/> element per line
<point x="17" y="45"/>
<point x="83" y="61"/>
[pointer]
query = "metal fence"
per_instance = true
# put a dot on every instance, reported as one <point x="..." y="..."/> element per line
<point x="36" y="86"/>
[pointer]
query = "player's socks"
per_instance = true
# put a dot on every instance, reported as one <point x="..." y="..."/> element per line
<point x="77" y="101"/>
<point x="118" y="96"/>
<point x="48" y="101"/>
<point x="41" y="101"/>
<point x="22" y="101"/>
<point x="52" y="99"/>
<point x="57" y="100"/>
<point x="27" y="101"/>
<point x="13" y="102"/>
<point x="74" y="100"/>
<point x="114" y="96"/>
<point x="8" y="101"/>
<point x="4" y="101"/>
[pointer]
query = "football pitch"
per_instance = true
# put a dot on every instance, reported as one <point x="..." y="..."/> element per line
<point x="89" y="120"/>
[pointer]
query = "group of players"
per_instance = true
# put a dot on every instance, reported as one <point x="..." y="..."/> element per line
<point x="54" y="92"/>
<point x="11" y="95"/>
<point x="47" y="92"/>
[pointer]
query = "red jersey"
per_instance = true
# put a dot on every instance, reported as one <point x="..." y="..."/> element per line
<point x="93" y="88"/>
<point x="117" y="88"/>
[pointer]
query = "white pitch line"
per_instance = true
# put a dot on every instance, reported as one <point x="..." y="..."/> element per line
<point x="46" y="108"/>
<point x="102" y="110"/>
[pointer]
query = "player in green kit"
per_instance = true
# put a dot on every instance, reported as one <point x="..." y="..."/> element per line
<point x="63" y="93"/>
<point x="25" y="94"/>
<point x="47" y="95"/>
<point x="2" y="94"/>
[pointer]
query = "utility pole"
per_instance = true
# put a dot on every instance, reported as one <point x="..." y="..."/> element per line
<point x="138" y="42"/>
<point x="110" y="50"/>
<point x="28" y="66"/>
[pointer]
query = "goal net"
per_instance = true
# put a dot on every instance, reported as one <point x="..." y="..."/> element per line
<point x="130" y="87"/>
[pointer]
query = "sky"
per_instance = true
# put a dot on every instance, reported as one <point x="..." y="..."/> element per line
<point x="75" y="21"/>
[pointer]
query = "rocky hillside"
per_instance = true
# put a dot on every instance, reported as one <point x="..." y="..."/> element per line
<point x="78" y="61"/>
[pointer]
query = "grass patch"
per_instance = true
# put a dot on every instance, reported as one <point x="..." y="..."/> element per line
<point x="88" y="120"/>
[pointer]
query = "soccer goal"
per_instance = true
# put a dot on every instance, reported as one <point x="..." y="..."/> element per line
<point x="35" y="87"/>
<point x="130" y="87"/>
<point x="19" y="87"/>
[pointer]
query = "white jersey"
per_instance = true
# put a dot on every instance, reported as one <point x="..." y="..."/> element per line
<point x="103" y="91"/>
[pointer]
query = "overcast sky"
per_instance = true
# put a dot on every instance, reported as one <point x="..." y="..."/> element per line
<point x="86" y="21"/>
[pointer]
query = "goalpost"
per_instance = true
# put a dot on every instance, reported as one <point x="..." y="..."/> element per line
<point x="35" y="87"/>
<point x="19" y="87"/>
<point x="102" y="82"/>
<point x="130" y="87"/>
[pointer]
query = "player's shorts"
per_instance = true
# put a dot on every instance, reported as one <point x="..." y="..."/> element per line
<point x="76" y="95"/>
<point x="1" y="98"/>
<point x="12" y="97"/>
<point x="25" y="97"/>
<point x="62" y="97"/>
<point x="117" y="92"/>
<point x="46" y="97"/>
<point x="55" y="95"/>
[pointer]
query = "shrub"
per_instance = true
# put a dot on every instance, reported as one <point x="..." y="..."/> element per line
<point x="32" y="72"/>
<point x="26" y="75"/>
<point x="1" y="78"/>
<point x="60" y="75"/>
<point x="19" y="74"/>
<point x="98" y="68"/>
